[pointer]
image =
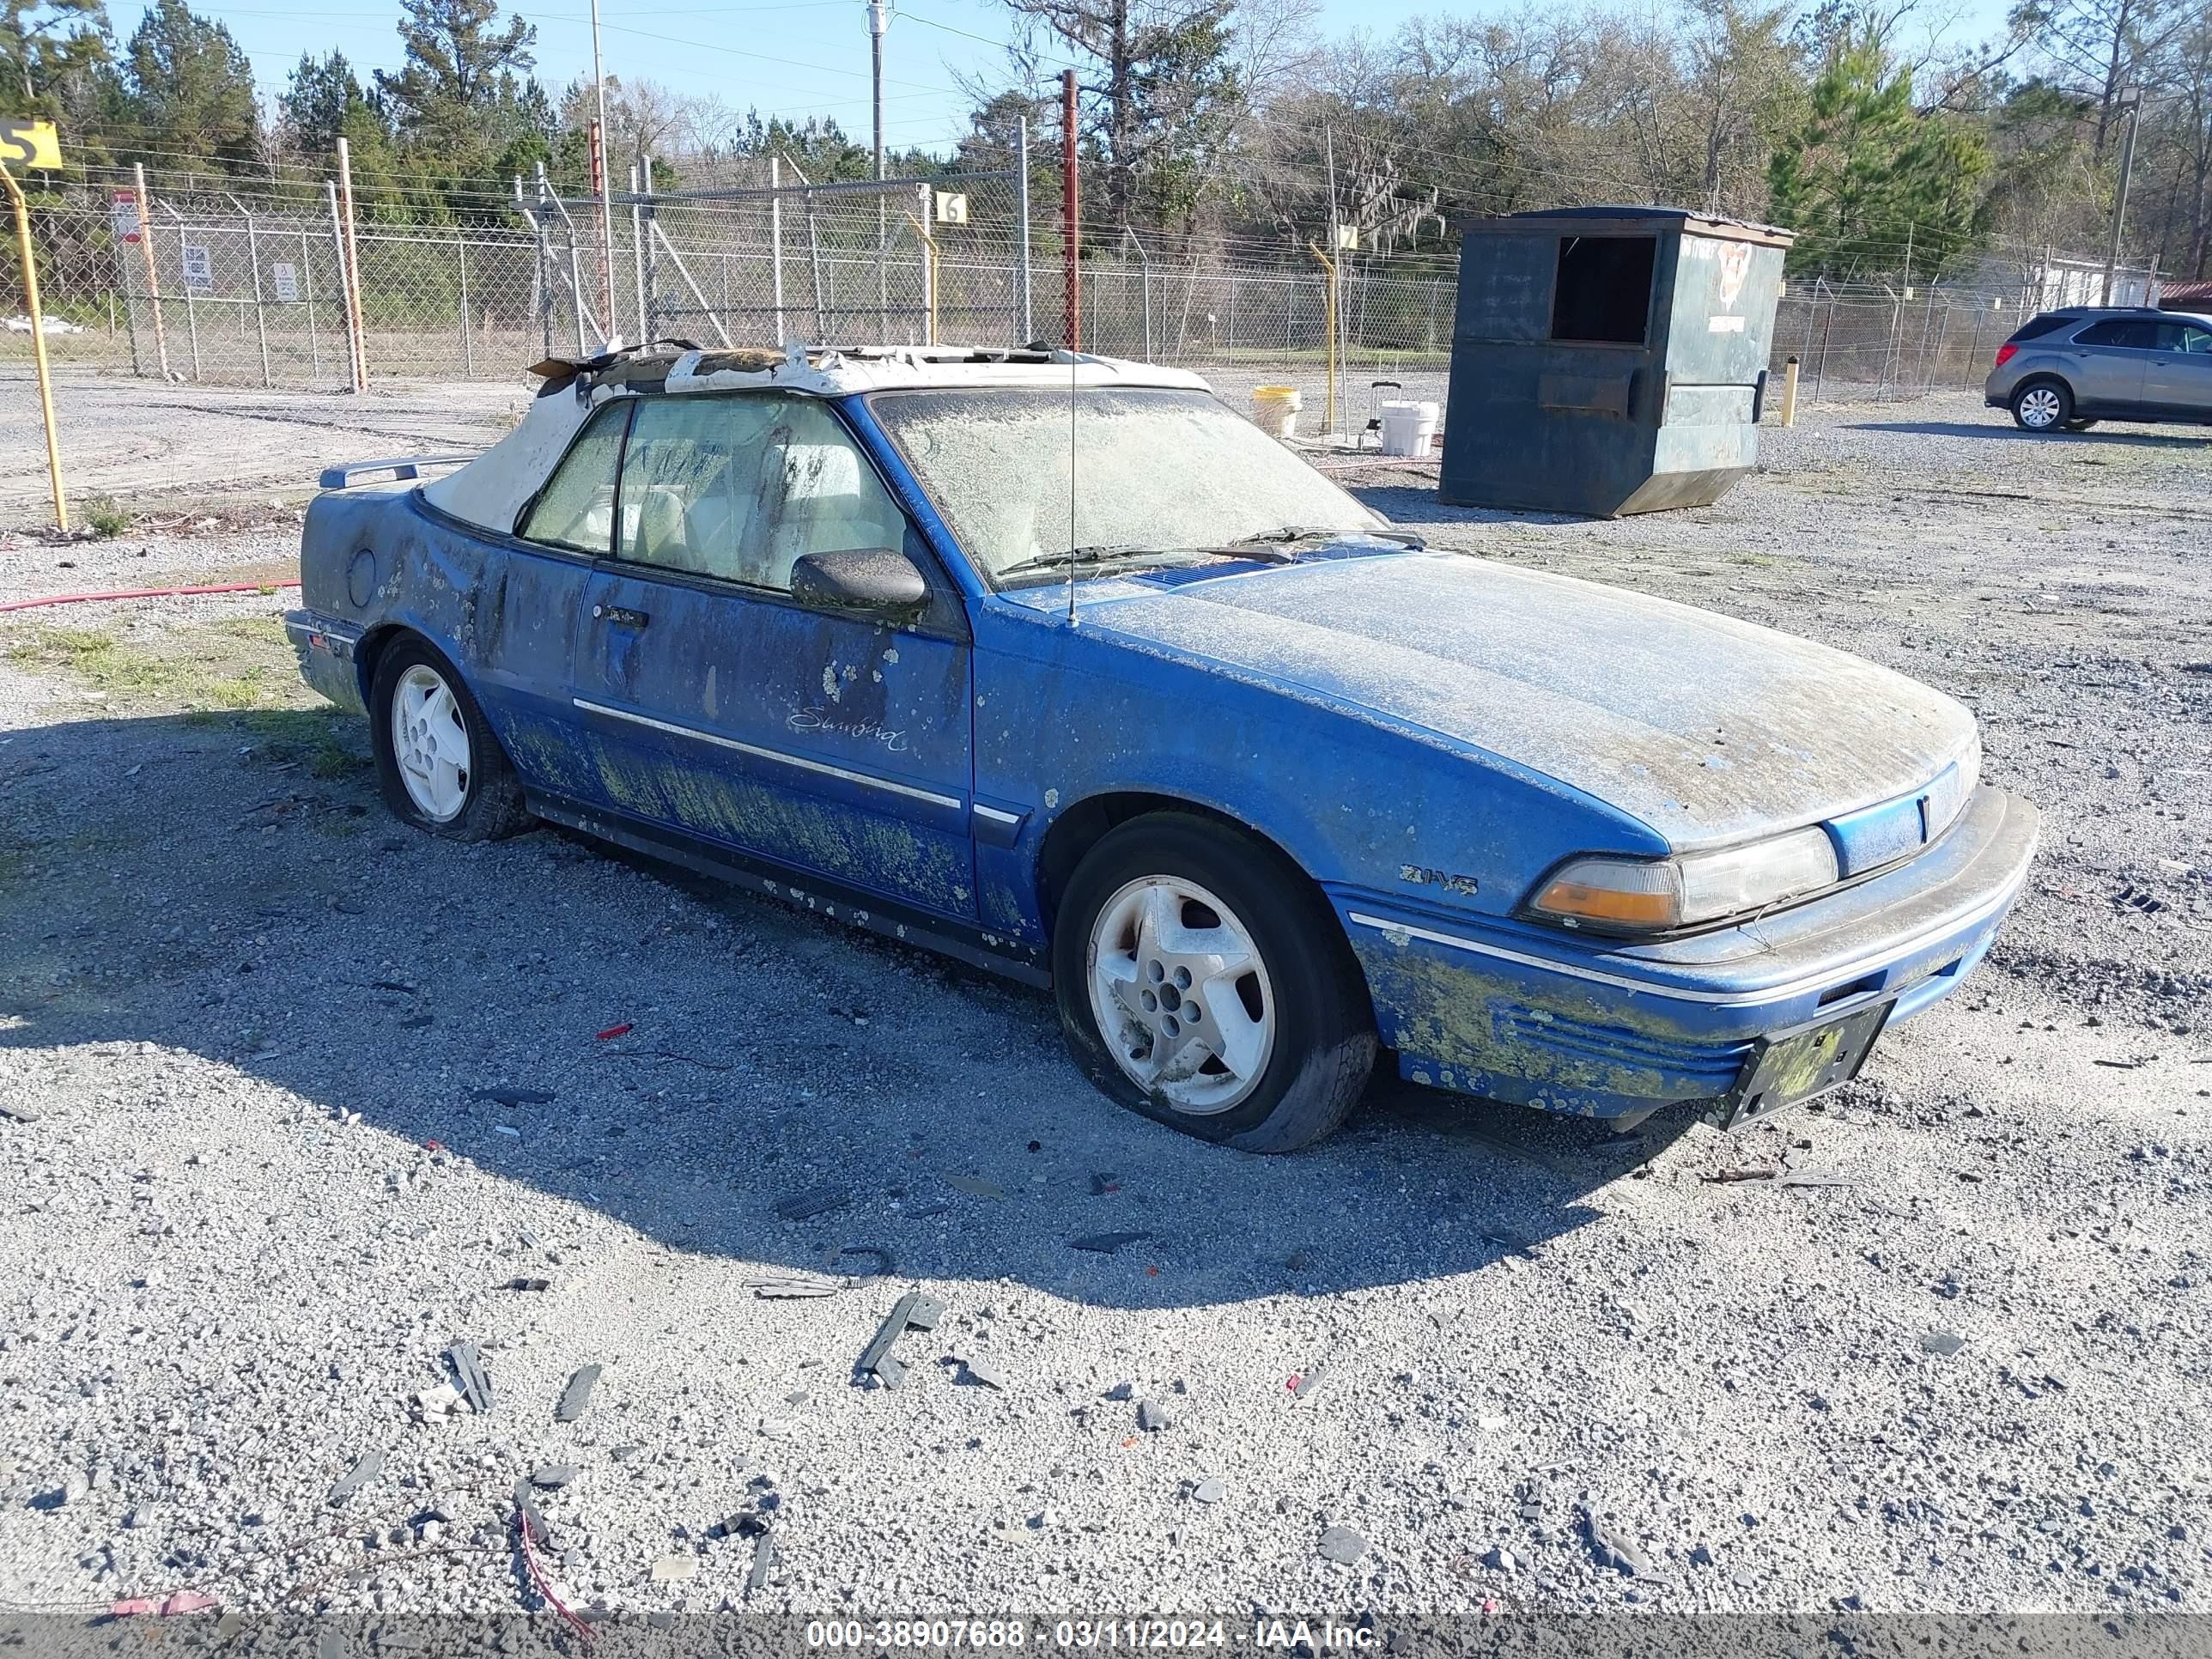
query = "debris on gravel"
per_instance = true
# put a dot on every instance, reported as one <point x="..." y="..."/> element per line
<point x="577" y="1395"/>
<point x="1341" y="1545"/>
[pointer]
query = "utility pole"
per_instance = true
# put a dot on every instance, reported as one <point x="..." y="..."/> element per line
<point x="877" y="22"/>
<point x="2131" y="100"/>
<point x="599" y="165"/>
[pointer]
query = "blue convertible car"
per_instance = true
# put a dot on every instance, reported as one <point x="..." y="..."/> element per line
<point x="1056" y="664"/>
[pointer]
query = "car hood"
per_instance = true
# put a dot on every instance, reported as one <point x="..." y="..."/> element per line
<point x="1706" y="729"/>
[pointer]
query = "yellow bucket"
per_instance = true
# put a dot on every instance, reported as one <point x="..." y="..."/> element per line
<point x="1275" y="410"/>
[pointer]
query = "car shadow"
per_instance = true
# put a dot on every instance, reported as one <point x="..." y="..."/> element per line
<point x="1411" y="504"/>
<point x="2102" y="434"/>
<point x="679" y="1056"/>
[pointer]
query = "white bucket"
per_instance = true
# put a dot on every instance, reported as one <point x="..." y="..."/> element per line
<point x="1275" y="410"/>
<point x="1408" y="428"/>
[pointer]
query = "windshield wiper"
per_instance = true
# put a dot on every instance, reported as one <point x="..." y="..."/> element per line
<point x="1315" y="533"/>
<point x="1097" y="553"/>
<point x="1291" y="533"/>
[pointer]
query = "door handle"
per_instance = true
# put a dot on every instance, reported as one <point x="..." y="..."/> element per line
<point x="621" y="616"/>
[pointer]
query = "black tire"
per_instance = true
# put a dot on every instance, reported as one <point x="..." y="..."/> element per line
<point x="2079" y="425"/>
<point x="491" y="804"/>
<point x="2042" y="406"/>
<point x="1324" y="1043"/>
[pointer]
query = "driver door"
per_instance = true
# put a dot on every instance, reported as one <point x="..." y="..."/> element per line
<point x="719" y="706"/>
<point x="2177" y="376"/>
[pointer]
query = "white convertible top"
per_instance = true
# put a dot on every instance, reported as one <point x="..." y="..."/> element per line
<point x="491" y="489"/>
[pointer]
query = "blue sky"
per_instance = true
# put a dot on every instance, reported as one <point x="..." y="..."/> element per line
<point x="796" y="58"/>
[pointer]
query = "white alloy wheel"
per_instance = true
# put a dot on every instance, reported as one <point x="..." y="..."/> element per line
<point x="2038" y="408"/>
<point x="1181" y="994"/>
<point x="430" y="740"/>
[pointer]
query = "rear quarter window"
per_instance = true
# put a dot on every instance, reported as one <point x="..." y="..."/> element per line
<point x="2036" y="327"/>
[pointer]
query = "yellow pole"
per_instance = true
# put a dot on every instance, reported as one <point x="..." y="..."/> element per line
<point x="1789" y="393"/>
<point x="1328" y="316"/>
<point x="38" y="341"/>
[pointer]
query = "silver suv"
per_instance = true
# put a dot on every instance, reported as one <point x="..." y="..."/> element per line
<point x="2066" y="370"/>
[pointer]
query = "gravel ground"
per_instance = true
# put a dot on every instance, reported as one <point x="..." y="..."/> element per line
<point x="254" y="1041"/>
<point x="147" y="444"/>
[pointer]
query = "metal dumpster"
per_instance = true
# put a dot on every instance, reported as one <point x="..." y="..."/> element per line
<point x="1608" y="359"/>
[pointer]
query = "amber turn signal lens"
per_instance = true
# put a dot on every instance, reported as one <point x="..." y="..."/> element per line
<point x="1577" y="900"/>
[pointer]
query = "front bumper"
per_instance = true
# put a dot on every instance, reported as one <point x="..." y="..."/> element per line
<point x="1606" y="1028"/>
<point x="326" y="650"/>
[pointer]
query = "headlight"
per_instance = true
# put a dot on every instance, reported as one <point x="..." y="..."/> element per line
<point x="1652" y="894"/>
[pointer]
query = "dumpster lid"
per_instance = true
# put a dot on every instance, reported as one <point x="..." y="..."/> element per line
<point x="1630" y="221"/>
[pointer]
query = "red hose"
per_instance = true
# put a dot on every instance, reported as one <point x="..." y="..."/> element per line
<point x="146" y="593"/>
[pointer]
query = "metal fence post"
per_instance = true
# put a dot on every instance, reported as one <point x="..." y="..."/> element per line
<point x="637" y="254"/>
<point x="541" y="270"/>
<point x="652" y="267"/>
<point x="775" y="241"/>
<point x="308" y="294"/>
<point x="1927" y="317"/>
<point x="260" y="313"/>
<point x="130" y="311"/>
<point x="814" y="270"/>
<point x="925" y="219"/>
<point x="192" y="312"/>
<point x="468" y="341"/>
<point x="1820" y="368"/>
<point x="1022" y="212"/>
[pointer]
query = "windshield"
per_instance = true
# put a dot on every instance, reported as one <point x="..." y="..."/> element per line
<point x="1162" y="475"/>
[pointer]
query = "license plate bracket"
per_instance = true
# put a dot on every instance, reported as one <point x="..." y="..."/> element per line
<point x="1787" y="1069"/>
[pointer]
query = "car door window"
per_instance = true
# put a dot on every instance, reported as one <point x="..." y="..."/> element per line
<point x="691" y="485"/>
<point x="2129" y="333"/>
<point x="576" y="508"/>
<point x="821" y="495"/>
<point x="739" y="488"/>
<point x="2185" y="337"/>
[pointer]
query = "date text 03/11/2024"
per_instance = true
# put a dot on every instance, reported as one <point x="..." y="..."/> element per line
<point x="1268" y="1635"/>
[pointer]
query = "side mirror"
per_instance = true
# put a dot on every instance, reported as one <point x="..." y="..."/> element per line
<point x="876" y="583"/>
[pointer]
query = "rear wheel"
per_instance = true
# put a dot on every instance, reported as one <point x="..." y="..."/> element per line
<point x="440" y="767"/>
<point x="1204" y="982"/>
<point x="2042" y="406"/>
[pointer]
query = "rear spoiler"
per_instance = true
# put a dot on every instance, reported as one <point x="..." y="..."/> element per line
<point x="405" y="466"/>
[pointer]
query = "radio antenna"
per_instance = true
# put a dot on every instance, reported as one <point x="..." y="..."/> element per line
<point x="1073" y="361"/>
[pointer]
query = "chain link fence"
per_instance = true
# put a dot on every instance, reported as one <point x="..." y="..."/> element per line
<point x="217" y="288"/>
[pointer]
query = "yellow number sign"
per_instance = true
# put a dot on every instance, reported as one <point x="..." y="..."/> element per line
<point x="26" y="143"/>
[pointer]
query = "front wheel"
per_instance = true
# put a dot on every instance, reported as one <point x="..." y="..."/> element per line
<point x="1203" y="982"/>
<point x="2042" y="406"/>
<point x="440" y="767"/>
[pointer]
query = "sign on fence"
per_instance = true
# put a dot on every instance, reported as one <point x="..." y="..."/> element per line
<point x="29" y="144"/>
<point x="123" y="216"/>
<point x="951" y="207"/>
<point x="287" y="278"/>
<point x="198" y="267"/>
